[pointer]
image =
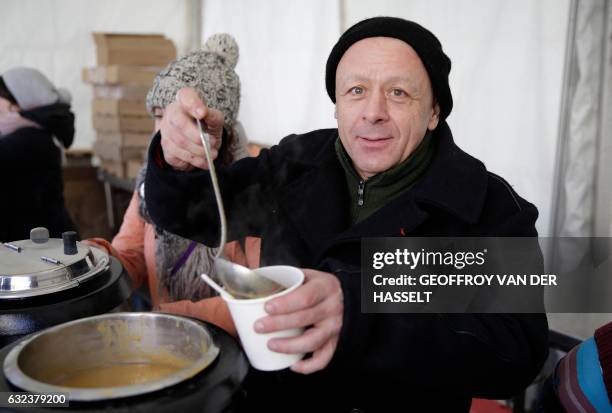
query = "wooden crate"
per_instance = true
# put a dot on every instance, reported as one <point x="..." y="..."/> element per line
<point x="124" y="169"/>
<point x="142" y="124"/>
<point x="125" y="92"/>
<point x="133" y="49"/>
<point x="110" y="152"/>
<point x="119" y="107"/>
<point x="84" y="195"/>
<point x="113" y="75"/>
<point x="132" y="168"/>
<point x="125" y="138"/>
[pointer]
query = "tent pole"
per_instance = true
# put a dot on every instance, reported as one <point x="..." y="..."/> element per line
<point x="564" y="112"/>
<point x="568" y="67"/>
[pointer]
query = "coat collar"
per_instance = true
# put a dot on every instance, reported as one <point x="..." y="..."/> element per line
<point x="317" y="201"/>
<point x="455" y="181"/>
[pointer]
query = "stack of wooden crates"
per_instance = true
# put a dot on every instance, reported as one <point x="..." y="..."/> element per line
<point x="127" y="65"/>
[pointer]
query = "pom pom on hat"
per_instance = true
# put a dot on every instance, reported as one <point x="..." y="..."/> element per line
<point x="225" y="46"/>
<point x="209" y="71"/>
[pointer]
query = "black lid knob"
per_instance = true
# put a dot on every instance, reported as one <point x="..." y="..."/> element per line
<point x="70" y="240"/>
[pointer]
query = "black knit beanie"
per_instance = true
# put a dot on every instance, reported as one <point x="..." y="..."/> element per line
<point x="424" y="43"/>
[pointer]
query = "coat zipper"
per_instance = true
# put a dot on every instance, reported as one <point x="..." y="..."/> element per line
<point x="360" y="190"/>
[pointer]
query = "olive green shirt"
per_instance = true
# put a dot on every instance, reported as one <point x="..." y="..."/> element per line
<point x="367" y="196"/>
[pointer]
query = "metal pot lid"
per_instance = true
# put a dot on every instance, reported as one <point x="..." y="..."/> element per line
<point x="39" y="266"/>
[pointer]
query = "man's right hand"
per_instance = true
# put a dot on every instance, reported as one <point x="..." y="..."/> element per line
<point x="180" y="137"/>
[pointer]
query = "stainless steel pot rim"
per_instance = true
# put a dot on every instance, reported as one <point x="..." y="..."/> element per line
<point x="18" y="378"/>
<point x="60" y="278"/>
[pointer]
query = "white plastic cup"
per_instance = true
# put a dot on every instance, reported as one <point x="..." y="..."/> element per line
<point x="246" y="311"/>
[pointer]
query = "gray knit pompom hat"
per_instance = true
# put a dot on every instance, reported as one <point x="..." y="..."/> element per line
<point x="210" y="71"/>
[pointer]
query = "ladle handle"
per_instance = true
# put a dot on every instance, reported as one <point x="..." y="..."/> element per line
<point x="213" y="177"/>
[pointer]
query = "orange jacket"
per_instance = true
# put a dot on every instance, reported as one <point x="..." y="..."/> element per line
<point x="134" y="246"/>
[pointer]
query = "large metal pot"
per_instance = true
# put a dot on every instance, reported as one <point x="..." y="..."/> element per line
<point x="170" y="349"/>
<point x="46" y="281"/>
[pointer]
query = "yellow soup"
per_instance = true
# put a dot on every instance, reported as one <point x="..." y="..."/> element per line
<point x="119" y="375"/>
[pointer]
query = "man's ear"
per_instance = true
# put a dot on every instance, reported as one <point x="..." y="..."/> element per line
<point x="435" y="117"/>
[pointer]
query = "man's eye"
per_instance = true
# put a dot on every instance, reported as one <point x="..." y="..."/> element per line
<point x="398" y="93"/>
<point x="356" y="90"/>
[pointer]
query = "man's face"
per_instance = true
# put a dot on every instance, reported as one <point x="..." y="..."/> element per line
<point x="384" y="103"/>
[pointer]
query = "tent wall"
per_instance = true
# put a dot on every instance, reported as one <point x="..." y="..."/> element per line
<point x="583" y="181"/>
<point x="583" y="141"/>
<point x="283" y="49"/>
<point x="506" y="78"/>
<point x="603" y="183"/>
<point x="55" y="37"/>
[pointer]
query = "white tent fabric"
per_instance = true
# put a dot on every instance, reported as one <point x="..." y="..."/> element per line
<point x="55" y="37"/>
<point x="283" y="50"/>
<point x="581" y="121"/>
<point x="506" y="78"/>
<point x="583" y="194"/>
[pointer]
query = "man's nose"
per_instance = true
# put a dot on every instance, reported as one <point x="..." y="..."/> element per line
<point x="376" y="108"/>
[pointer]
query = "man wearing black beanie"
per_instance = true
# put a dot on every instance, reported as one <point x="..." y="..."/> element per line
<point x="390" y="169"/>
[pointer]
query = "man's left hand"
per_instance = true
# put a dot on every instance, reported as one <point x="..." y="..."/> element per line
<point x="317" y="304"/>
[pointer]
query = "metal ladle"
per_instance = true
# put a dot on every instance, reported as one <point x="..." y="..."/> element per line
<point x="237" y="280"/>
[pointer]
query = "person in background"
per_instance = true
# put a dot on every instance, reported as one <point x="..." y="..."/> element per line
<point x="36" y="124"/>
<point x="582" y="380"/>
<point x="171" y="265"/>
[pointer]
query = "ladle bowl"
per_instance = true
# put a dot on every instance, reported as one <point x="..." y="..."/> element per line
<point x="241" y="282"/>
